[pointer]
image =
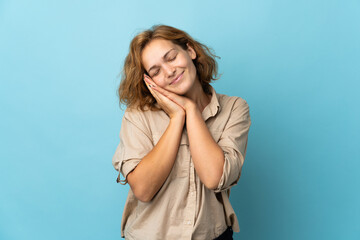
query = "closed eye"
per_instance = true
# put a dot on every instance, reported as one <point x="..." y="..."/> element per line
<point x="172" y="59"/>
<point x="155" y="73"/>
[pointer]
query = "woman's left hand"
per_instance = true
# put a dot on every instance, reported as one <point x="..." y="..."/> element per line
<point x="182" y="101"/>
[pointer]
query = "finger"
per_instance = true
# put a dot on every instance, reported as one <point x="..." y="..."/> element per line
<point x="148" y="80"/>
<point x="162" y="92"/>
<point x="148" y="85"/>
<point x="172" y="96"/>
<point x="153" y="93"/>
<point x="151" y="83"/>
<point x="151" y="86"/>
<point x="161" y="99"/>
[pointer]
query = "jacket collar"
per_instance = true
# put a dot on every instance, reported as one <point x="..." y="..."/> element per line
<point x="213" y="107"/>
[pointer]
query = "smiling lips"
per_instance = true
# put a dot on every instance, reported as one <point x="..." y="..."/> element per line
<point x="177" y="79"/>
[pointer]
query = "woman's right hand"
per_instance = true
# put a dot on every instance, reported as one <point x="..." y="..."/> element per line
<point x="171" y="108"/>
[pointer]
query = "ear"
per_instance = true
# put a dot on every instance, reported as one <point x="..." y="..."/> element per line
<point x="191" y="51"/>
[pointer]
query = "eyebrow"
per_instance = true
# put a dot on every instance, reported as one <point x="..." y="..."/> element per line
<point x="165" y="55"/>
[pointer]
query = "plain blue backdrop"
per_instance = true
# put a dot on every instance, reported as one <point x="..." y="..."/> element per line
<point x="297" y="64"/>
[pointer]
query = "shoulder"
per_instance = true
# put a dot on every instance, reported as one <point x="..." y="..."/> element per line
<point x="150" y="120"/>
<point x="135" y="116"/>
<point x="232" y="102"/>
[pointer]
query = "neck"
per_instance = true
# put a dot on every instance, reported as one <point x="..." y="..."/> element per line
<point x="200" y="98"/>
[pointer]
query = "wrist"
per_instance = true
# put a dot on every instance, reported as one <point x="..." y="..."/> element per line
<point x="190" y="106"/>
<point x="178" y="117"/>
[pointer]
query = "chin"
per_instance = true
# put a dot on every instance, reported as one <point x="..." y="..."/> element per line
<point x="178" y="92"/>
<point x="182" y="90"/>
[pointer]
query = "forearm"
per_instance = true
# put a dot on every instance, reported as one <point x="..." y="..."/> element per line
<point x="206" y="154"/>
<point x="152" y="171"/>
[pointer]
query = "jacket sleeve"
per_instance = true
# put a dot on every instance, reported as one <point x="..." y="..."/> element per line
<point x="233" y="141"/>
<point x="135" y="143"/>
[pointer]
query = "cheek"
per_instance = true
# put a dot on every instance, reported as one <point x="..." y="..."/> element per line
<point x="189" y="62"/>
<point x="192" y="68"/>
<point x="159" y="80"/>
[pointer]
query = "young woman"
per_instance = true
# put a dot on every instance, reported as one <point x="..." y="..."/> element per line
<point x="182" y="145"/>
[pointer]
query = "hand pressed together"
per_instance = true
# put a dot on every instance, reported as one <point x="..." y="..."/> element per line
<point x="172" y="103"/>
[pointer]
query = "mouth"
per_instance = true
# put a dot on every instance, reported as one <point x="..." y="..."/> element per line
<point x="177" y="78"/>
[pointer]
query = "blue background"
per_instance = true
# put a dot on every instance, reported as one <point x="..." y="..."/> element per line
<point x="297" y="64"/>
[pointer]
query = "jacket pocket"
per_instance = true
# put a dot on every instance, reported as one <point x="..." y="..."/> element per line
<point x="181" y="165"/>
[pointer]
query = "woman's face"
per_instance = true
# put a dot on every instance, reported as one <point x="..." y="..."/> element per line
<point x="170" y="66"/>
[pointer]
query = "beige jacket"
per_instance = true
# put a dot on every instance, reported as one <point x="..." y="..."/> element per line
<point x="183" y="208"/>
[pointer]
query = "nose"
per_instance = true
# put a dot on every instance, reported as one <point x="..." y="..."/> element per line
<point x="169" y="70"/>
